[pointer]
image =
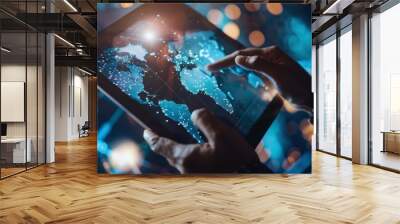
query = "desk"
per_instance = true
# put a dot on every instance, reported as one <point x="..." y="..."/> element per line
<point x="391" y="141"/>
<point x="16" y="147"/>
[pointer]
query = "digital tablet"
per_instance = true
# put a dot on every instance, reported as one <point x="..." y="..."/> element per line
<point x="152" y="63"/>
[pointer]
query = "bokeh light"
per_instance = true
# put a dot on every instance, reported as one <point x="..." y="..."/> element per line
<point x="252" y="7"/>
<point x="262" y="153"/>
<point x="269" y="93"/>
<point x="256" y="38"/>
<point x="232" y="11"/>
<point x="215" y="16"/>
<point x="126" y="5"/>
<point x="274" y="8"/>
<point x="232" y="29"/>
<point x="292" y="158"/>
<point x="307" y="129"/>
<point x="149" y="36"/>
<point x="126" y="157"/>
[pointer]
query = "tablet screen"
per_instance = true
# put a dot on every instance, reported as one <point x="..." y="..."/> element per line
<point x="159" y="60"/>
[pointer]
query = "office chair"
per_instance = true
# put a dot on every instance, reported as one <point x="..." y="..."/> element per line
<point x="84" y="130"/>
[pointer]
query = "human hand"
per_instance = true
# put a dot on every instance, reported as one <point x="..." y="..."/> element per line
<point x="293" y="81"/>
<point x="225" y="150"/>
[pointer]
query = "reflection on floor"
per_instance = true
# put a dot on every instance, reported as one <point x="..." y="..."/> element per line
<point x="10" y="171"/>
<point x="70" y="191"/>
<point x="346" y="152"/>
<point x="14" y="169"/>
<point x="386" y="159"/>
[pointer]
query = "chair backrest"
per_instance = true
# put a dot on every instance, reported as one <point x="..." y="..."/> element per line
<point x="86" y="124"/>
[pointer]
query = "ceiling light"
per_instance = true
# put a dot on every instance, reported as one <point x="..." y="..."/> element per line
<point x="70" y="5"/>
<point x="337" y="7"/>
<point x="5" y="50"/>
<point x="65" y="41"/>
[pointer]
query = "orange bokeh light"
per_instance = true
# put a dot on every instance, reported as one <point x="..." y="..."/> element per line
<point x="232" y="11"/>
<point x="274" y="8"/>
<point x="126" y="5"/>
<point x="215" y="16"/>
<point x="232" y="29"/>
<point x="256" y="38"/>
<point x="307" y="129"/>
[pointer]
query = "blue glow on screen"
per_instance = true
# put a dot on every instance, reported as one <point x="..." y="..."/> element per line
<point x="199" y="49"/>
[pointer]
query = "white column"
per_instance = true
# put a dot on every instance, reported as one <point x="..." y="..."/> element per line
<point x="360" y="90"/>
<point x="62" y="103"/>
<point x="50" y="99"/>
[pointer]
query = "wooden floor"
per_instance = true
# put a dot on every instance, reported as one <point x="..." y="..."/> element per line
<point x="70" y="191"/>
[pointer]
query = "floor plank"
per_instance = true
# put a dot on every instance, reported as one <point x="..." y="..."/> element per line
<point x="70" y="191"/>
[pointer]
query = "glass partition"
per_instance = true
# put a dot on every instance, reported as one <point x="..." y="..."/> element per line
<point x="14" y="153"/>
<point x="22" y="101"/>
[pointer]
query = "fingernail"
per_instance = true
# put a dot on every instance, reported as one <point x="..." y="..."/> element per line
<point x="240" y="59"/>
<point x="148" y="135"/>
<point x="195" y="114"/>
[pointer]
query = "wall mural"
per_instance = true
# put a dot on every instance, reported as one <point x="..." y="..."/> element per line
<point x="204" y="88"/>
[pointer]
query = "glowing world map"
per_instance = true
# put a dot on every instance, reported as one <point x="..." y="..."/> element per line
<point x="127" y="68"/>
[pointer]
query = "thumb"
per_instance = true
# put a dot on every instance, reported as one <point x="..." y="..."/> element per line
<point x="208" y="124"/>
<point x="174" y="152"/>
<point x="160" y="145"/>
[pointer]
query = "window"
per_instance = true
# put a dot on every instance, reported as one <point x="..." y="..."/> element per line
<point x="346" y="93"/>
<point x="334" y="106"/>
<point x="385" y="89"/>
<point x="327" y="96"/>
